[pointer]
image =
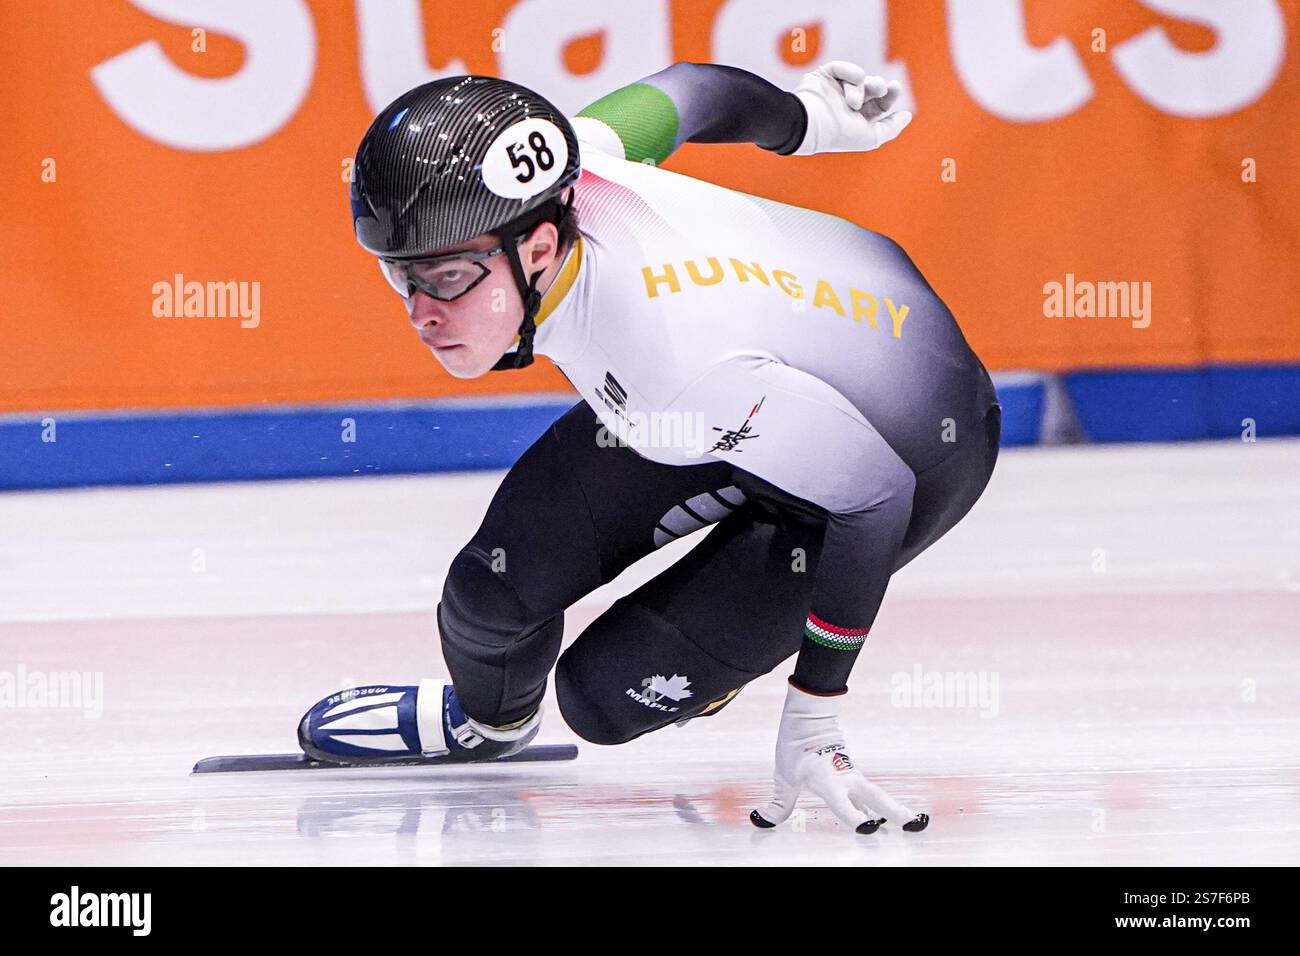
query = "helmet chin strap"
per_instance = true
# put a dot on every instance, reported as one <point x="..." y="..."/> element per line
<point x="521" y="357"/>
<point x="510" y="235"/>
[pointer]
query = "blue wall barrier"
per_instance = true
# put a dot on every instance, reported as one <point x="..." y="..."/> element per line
<point x="1179" y="404"/>
<point x="461" y="435"/>
<point x="276" y="443"/>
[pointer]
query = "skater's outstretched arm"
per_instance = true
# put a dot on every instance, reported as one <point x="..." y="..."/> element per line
<point x="836" y="108"/>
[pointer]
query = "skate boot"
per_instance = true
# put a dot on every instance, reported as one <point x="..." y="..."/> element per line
<point x="385" y="724"/>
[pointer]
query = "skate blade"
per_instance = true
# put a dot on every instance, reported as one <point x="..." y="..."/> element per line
<point x="245" y="763"/>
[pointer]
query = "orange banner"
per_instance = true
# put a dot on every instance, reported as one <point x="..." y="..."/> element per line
<point x="1138" y="159"/>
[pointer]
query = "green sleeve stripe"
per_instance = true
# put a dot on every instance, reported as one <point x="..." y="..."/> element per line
<point x="645" y="119"/>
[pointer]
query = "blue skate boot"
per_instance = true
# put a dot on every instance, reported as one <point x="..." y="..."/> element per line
<point x="384" y="724"/>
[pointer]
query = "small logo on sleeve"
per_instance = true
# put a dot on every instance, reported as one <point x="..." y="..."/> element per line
<point x="615" y="390"/>
<point x="732" y="437"/>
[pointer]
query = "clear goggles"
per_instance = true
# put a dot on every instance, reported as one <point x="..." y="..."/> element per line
<point x="443" y="278"/>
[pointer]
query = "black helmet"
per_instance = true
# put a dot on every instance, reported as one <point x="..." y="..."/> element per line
<point x="459" y="157"/>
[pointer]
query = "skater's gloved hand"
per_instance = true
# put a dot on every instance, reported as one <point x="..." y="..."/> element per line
<point x="848" y="111"/>
<point x="811" y="755"/>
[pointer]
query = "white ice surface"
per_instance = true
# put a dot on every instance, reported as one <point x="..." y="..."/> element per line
<point x="1138" y="606"/>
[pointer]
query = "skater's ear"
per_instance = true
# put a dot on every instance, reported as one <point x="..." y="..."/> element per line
<point x="541" y="247"/>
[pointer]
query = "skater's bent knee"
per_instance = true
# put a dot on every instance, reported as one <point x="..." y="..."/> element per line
<point x="584" y="712"/>
<point x="479" y="597"/>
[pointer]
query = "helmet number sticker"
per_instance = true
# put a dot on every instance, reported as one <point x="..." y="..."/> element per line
<point x="545" y="158"/>
<point x="526" y="159"/>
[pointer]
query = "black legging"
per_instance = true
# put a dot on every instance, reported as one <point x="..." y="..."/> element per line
<point x="573" y="513"/>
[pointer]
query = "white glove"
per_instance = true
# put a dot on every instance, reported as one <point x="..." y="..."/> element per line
<point x="848" y="111"/>
<point x="811" y="755"/>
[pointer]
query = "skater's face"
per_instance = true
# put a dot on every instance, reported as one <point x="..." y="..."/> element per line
<point x="468" y="333"/>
